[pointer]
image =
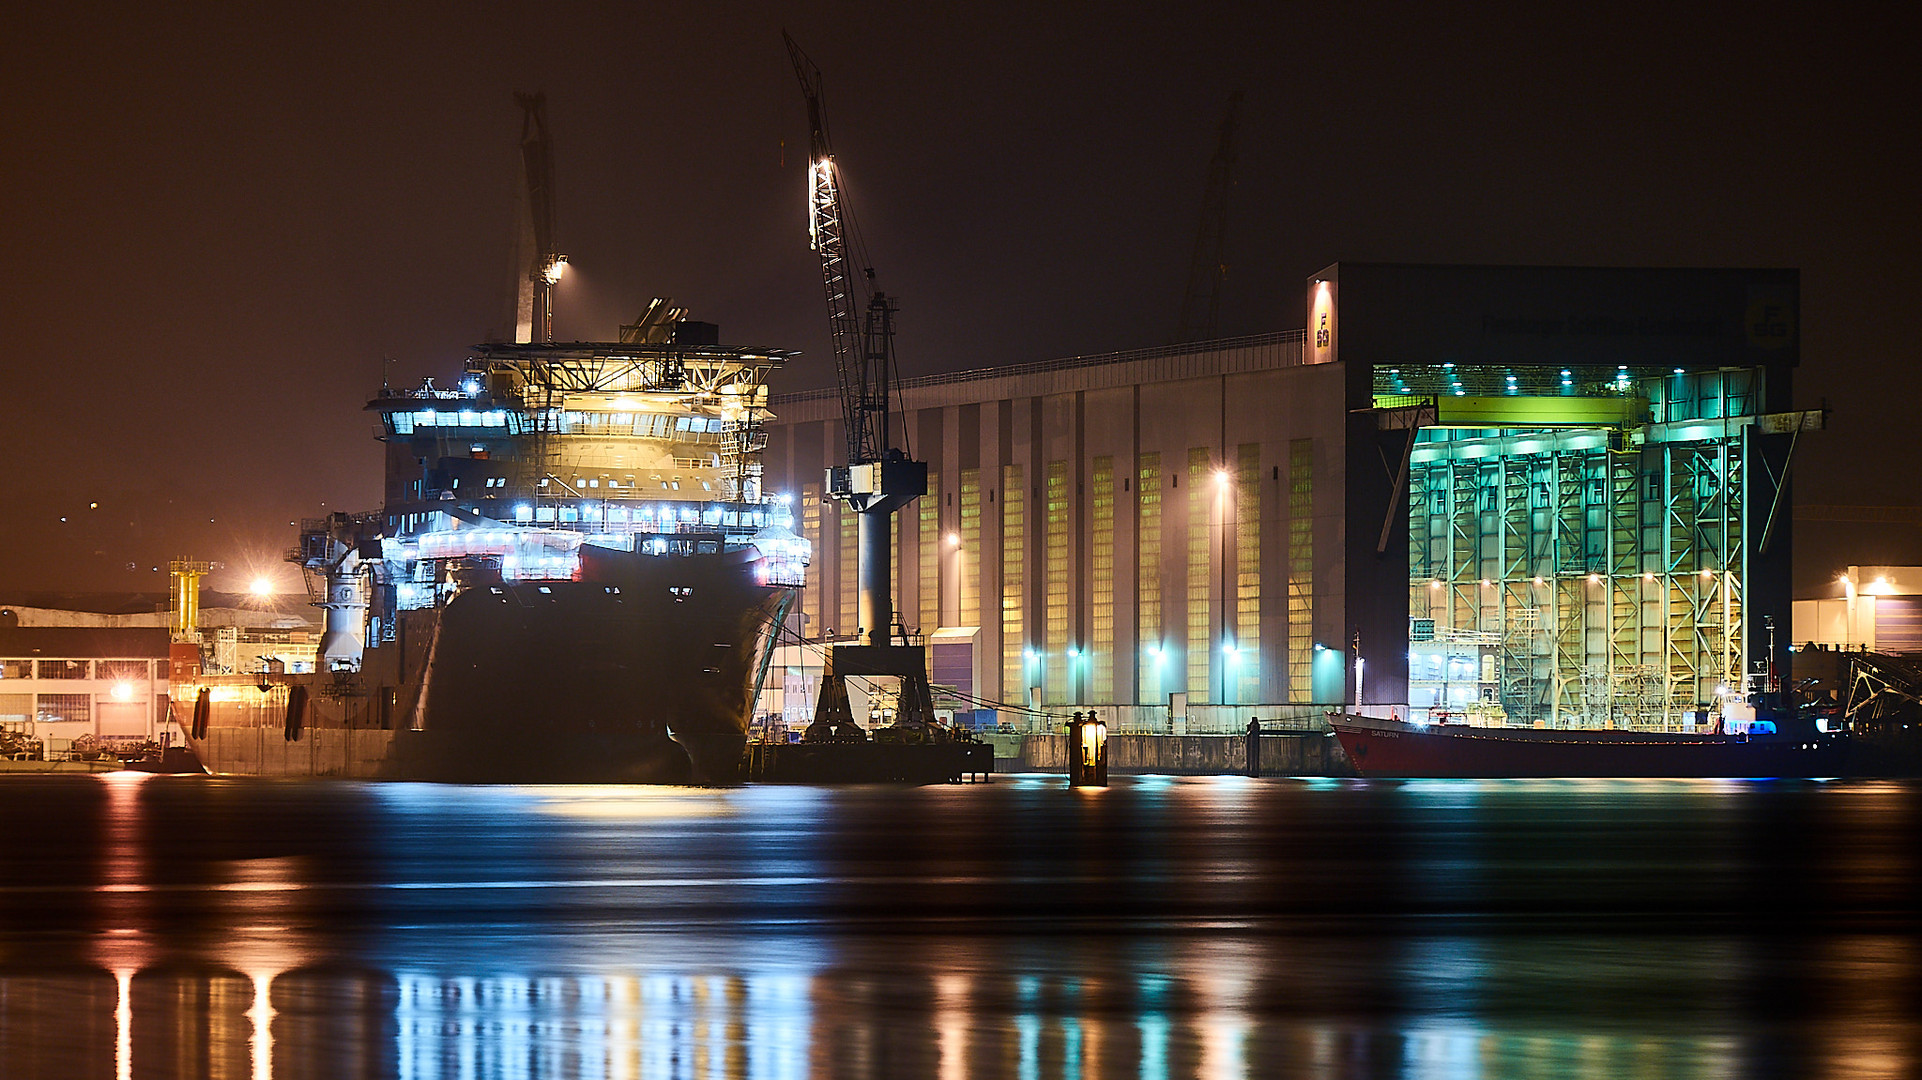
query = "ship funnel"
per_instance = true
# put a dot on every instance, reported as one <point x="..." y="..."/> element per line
<point x="340" y="638"/>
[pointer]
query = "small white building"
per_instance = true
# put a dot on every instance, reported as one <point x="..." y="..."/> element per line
<point x="66" y="672"/>
<point x="1873" y="608"/>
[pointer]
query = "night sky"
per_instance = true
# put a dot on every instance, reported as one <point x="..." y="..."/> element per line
<point x="221" y="220"/>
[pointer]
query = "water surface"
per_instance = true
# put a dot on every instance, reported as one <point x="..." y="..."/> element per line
<point x="1217" y="927"/>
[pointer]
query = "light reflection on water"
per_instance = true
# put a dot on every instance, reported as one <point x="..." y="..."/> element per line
<point x="1213" y="928"/>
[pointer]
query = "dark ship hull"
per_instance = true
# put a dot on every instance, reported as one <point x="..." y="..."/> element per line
<point x="1393" y="748"/>
<point x="646" y="671"/>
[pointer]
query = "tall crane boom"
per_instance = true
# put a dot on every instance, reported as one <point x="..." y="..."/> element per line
<point x="877" y="479"/>
<point x="863" y="357"/>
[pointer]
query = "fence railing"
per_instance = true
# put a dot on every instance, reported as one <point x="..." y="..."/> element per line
<point x="1200" y="719"/>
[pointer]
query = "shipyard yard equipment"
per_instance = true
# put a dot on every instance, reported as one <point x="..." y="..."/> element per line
<point x="878" y="478"/>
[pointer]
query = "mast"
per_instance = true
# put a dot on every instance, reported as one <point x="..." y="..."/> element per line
<point x="536" y="302"/>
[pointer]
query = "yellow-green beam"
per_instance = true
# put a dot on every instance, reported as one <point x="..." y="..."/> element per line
<point x="1532" y="412"/>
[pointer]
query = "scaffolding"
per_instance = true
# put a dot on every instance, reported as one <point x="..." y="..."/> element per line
<point x="1609" y="562"/>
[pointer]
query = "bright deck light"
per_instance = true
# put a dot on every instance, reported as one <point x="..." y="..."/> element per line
<point x="261" y="587"/>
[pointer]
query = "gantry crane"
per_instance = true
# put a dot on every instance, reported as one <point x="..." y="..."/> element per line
<point x="878" y="478"/>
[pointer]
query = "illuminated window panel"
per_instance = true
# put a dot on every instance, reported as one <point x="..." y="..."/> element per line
<point x="1148" y="581"/>
<point x="1203" y="498"/>
<point x="850" y="572"/>
<point x="813" y="604"/>
<point x="970" y="553"/>
<point x="1246" y="669"/>
<point x="1101" y="581"/>
<point x="929" y="541"/>
<point x="1058" y="615"/>
<point x="1301" y="570"/>
<point x="1014" y="546"/>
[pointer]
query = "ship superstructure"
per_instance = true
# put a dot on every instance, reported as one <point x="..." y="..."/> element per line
<point x="650" y="447"/>
<point x="575" y="575"/>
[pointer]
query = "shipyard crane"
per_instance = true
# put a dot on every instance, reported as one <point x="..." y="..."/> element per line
<point x="1201" y="306"/>
<point x="878" y="478"/>
<point x="535" y="307"/>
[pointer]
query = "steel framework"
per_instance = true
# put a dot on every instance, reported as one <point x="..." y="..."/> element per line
<point x="1612" y="574"/>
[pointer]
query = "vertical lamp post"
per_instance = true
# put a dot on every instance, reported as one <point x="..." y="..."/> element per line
<point x="1358" y="666"/>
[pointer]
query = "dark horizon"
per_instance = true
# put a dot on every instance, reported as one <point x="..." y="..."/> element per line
<point x="226" y="225"/>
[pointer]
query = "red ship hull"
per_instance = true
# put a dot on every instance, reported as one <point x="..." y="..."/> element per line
<point x="1392" y="748"/>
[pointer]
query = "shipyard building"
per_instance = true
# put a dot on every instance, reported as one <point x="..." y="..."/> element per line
<point x="1534" y="493"/>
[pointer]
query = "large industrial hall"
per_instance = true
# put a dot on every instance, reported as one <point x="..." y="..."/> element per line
<point x="1527" y="494"/>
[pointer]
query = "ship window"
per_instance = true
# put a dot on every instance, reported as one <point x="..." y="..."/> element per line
<point x="593" y="483"/>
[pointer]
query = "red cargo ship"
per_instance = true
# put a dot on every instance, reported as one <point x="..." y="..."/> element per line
<point x="1787" y="747"/>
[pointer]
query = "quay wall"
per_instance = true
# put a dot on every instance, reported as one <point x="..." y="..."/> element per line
<point x="1291" y="754"/>
<point x="265" y="751"/>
